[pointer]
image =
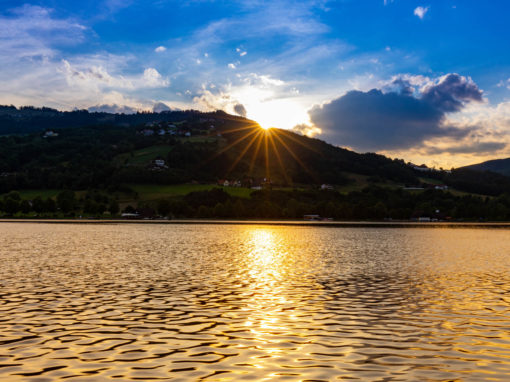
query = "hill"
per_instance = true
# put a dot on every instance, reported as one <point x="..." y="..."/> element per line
<point x="501" y="166"/>
<point x="50" y="149"/>
<point x="172" y="163"/>
<point x="189" y="146"/>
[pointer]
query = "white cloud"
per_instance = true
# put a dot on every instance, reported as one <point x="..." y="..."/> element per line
<point x="504" y="83"/>
<point x="116" y="100"/>
<point x="307" y="129"/>
<point x="421" y="11"/>
<point x="31" y="31"/>
<point x="153" y="79"/>
<point x="93" y="77"/>
<point x="231" y="66"/>
<point x="160" y="49"/>
<point x="262" y="81"/>
<point x="97" y="77"/>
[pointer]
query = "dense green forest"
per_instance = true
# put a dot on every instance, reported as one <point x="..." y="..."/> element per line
<point x="92" y="164"/>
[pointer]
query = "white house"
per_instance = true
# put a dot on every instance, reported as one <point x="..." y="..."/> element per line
<point x="147" y="132"/>
<point x="50" y="133"/>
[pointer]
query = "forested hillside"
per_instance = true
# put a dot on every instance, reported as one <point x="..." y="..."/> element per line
<point x="170" y="163"/>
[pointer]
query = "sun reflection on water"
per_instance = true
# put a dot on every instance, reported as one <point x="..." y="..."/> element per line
<point x="253" y="302"/>
<point x="273" y="301"/>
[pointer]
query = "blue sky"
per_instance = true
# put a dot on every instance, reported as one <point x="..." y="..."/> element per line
<point x="288" y="63"/>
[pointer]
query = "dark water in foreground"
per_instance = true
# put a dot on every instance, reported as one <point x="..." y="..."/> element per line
<point x="183" y="303"/>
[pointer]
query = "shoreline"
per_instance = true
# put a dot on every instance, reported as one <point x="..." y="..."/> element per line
<point x="295" y="223"/>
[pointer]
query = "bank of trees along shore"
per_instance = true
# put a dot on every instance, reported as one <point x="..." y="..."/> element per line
<point x="369" y="204"/>
<point x="65" y="204"/>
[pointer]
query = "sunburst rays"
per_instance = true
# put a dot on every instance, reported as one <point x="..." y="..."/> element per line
<point x="271" y="142"/>
<point x="278" y="157"/>
<point x="252" y="141"/>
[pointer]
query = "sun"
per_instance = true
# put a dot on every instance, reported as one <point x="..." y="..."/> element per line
<point x="280" y="113"/>
<point x="268" y="111"/>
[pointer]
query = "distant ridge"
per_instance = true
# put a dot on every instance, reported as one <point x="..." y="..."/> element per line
<point x="30" y="119"/>
<point x="501" y="166"/>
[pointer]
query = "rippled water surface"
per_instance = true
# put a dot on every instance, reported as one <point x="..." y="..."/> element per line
<point x="190" y="302"/>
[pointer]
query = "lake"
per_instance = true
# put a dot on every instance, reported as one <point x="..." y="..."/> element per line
<point x="82" y="302"/>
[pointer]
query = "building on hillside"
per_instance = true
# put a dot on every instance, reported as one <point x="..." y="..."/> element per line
<point x="158" y="165"/>
<point x="147" y="132"/>
<point x="50" y="134"/>
<point x="130" y="215"/>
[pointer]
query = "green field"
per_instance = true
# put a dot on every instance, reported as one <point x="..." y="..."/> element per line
<point x="430" y="180"/>
<point x="31" y="194"/>
<point x="358" y="182"/>
<point x="155" y="191"/>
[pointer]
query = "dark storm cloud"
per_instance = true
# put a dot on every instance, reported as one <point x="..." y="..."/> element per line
<point x="374" y="120"/>
<point x="452" y="92"/>
<point x="401" y="86"/>
<point x="240" y="110"/>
